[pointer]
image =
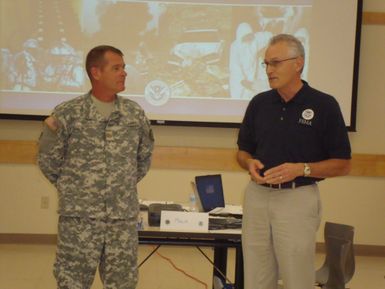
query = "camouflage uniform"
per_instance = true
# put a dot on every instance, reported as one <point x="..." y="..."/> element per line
<point x="95" y="164"/>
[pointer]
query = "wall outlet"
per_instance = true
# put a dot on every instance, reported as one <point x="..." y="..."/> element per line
<point x="44" y="202"/>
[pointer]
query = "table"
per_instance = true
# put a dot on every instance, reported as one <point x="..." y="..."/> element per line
<point x="220" y="240"/>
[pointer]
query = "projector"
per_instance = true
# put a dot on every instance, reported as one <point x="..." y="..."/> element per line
<point x="155" y="209"/>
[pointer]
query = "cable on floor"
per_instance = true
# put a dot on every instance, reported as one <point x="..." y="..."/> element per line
<point x="182" y="271"/>
<point x="216" y="268"/>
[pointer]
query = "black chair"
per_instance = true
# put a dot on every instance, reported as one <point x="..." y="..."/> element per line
<point x="339" y="265"/>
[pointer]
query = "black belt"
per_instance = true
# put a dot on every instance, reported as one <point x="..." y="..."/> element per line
<point x="287" y="185"/>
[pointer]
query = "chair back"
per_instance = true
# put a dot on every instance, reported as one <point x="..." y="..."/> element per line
<point x="339" y="265"/>
<point x="345" y="233"/>
<point x="337" y="251"/>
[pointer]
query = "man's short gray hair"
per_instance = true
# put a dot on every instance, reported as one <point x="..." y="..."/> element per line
<point x="295" y="45"/>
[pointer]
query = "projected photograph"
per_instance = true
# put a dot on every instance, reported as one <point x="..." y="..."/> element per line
<point x="180" y="56"/>
<point x="197" y="50"/>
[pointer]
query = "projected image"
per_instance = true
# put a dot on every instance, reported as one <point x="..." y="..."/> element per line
<point x="59" y="68"/>
<point x="37" y="53"/>
<point x="246" y="76"/>
<point x="197" y="60"/>
<point x="173" y="50"/>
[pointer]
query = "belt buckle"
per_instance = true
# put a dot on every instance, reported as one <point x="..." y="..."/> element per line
<point x="279" y="186"/>
<point x="273" y="186"/>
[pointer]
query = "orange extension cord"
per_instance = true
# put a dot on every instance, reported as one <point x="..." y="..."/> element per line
<point x="180" y="270"/>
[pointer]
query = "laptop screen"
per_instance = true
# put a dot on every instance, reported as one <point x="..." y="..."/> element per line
<point x="210" y="191"/>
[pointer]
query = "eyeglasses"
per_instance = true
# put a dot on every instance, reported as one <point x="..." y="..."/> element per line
<point x="275" y="63"/>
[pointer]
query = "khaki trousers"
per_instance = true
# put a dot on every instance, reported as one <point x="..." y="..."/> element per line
<point x="278" y="236"/>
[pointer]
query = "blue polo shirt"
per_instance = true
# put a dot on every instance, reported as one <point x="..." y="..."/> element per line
<point x="308" y="128"/>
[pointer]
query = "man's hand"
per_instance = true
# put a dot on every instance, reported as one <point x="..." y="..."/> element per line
<point x="254" y="167"/>
<point x="51" y="123"/>
<point x="283" y="173"/>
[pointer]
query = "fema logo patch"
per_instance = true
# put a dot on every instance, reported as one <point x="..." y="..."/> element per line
<point x="308" y="114"/>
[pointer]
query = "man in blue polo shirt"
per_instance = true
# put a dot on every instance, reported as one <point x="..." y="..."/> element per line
<point x="292" y="136"/>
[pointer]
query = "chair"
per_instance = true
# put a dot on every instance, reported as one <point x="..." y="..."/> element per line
<point x="339" y="265"/>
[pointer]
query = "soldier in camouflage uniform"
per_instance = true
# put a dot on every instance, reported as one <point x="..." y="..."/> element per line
<point x="95" y="149"/>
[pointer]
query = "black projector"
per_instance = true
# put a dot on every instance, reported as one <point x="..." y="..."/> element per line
<point x="155" y="209"/>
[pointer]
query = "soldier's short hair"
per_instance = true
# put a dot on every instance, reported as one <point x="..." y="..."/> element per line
<point x="95" y="57"/>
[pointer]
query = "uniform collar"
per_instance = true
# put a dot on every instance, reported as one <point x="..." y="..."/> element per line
<point x="93" y="114"/>
<point x="300" y="96"/>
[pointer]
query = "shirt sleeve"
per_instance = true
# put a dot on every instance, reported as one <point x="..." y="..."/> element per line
<point x="336" y="139"/>
<point x="146" y="146"/>
<point x="52" y="146"/>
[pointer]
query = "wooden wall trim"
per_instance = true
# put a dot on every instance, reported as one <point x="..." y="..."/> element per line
<point x="18" y="152"/>
<point x="50" y="239"/>
<point x="11" y="238"/>
<point x="359" y="249"/>
<point x="217" y="159"/>
<point x="373" y="18"/>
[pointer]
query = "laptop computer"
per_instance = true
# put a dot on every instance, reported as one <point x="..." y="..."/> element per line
<point x="210" y="196"/>
<point x="210" y="191"/>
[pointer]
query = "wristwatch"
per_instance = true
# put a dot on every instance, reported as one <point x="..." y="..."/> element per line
<point x="306" y="170"/>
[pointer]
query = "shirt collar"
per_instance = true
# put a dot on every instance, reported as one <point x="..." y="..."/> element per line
<point x="298" y="98"/>
<point x="92" y="113"/>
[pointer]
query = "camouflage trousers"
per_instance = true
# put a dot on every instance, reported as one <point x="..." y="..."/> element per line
<point x="84" y="244"/>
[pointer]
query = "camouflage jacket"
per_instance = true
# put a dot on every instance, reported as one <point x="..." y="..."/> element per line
<point x="96" y="163"/>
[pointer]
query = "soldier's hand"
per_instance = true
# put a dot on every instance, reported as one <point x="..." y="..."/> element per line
<point x="51" y="123"/>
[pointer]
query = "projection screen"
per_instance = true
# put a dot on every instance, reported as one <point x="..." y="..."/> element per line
<point x="186" y="60"/>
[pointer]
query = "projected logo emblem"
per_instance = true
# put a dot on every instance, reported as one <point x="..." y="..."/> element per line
<point x="157" y="92"/>
<point x="308" y="114"/>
